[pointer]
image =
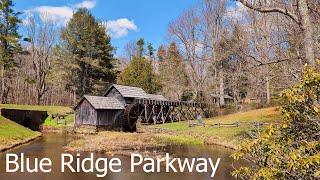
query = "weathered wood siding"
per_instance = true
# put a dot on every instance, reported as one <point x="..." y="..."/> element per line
<point x="109" y="117"/>
<point x="85" y="114"/>
<point x="116" y="94"/>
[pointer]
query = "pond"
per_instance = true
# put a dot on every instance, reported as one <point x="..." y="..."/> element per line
<point x="51" y="146"/>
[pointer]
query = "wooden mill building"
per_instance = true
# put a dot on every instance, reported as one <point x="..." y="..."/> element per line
<point x="107" y="111"/>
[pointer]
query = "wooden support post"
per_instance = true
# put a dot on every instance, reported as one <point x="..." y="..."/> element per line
<point x="146" y="113"/>
<point x="153" y="115"/>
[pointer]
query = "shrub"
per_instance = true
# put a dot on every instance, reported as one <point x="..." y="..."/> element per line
<point x="289" y="150"/>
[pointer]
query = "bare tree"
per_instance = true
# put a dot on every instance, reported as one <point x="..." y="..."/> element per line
<point x="298" y="13"/>
<point x="41" y="38"/>
<point x="213" y="18"/>
<point x="131" y="49"/>
<point x="186" y="31"/>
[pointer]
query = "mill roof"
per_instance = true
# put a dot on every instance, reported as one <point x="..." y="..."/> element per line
<point x="100" y="102"/>
<point x="129" y="91"/>
<point x="135" y="92"/>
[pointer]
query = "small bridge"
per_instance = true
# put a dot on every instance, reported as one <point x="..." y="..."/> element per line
<point x="29" y="118"/>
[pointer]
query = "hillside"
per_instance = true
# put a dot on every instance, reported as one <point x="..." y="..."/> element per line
<point x="12" y="134"/>
<point x="227" y="136"/>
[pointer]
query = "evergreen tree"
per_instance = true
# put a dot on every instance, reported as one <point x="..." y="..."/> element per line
<point x="140" y="44"/>
<point x="150" y="51"/>
<point x="161" y="53"/>
<point x="92" y="61"/>
<point x="9" y="45"/>
<point x="139" y="73"/>
<point x="173" y="73"/>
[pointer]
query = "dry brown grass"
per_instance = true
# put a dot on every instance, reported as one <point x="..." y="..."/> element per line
<point x="115" y="142"/>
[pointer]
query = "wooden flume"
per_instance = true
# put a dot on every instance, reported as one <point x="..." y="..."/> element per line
<point x="149" y="111"/>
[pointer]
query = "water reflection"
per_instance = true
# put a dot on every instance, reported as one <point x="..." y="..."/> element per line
<point x="51" y="146"/>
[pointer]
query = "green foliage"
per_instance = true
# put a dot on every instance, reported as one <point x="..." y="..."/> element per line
<point x="150" y="50"/>
<point x="9" y="36"/>
<point x="173" y="73"/>
<point x="9" y="46"/>
<point x="140" y="45"/>
<point x="139" y="73"/>
<point x="186" y="95"/>
<point x="292" y="149"/>
<point x="89" y="54"/>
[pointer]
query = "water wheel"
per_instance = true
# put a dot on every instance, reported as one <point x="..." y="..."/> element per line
<point x="130" y="117"/>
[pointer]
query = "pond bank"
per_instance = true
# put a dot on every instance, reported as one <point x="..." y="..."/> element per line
<point x="148" y="138"/>
<point x="13" y="134"/>
<point x="17" y="143"/>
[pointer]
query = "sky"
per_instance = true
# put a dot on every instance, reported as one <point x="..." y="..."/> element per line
<point x="126" y="20"/>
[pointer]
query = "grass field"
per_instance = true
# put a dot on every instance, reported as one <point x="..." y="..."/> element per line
<point x="12" y="133"/>
<point x="227" y="136"/>
<point x="50" y="109"/>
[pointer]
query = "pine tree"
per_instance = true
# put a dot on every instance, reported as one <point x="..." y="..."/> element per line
<point x="9" y="45"/>
<point x="139" y="73"/>
<point x="173" y="72"/>
<point x="92" y="61"/>
<point x="140" y="45"/>
<point x="150" y="51"/>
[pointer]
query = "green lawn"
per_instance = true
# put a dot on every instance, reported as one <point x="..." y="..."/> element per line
<point x="53" y="122"/>
<point x="12" y="133"/>
<point x="50" y="109"/>
<point x="228" y="136"/>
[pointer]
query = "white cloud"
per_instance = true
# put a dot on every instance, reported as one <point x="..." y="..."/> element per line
<point x="237" y="12"/>
<point x="57" y="14"/>
<point x="60" y="14"/>
<point x="86" y="4"/>
<point x="120" y="27"/>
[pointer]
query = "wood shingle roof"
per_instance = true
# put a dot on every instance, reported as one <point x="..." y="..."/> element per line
<point x="135" y="92"/>
<point x="129" y="91"/>
<point x="100" y="102"/>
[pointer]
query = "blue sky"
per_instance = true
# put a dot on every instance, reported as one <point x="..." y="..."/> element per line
<point x="127" y="19"/>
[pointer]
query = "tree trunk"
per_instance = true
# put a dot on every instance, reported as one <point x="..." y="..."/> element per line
<point x="221" y="88"/>
<point x="2" y="84"/>
<point x="74" y="98"/>
<point x="39" y="98"/>
<point x="4" y="87"/>
<point x="307" y="31"/>
<point x="268" y="90"/>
